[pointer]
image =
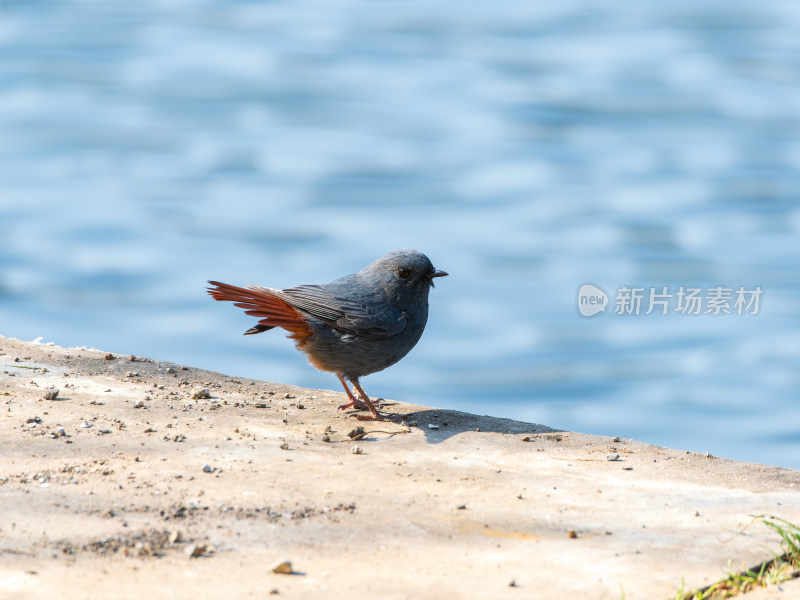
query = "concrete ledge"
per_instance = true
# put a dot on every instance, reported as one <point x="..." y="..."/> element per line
<point x="125" y="483"/>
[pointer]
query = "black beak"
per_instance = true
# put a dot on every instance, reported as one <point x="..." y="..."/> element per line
<point x="437" y="273"/>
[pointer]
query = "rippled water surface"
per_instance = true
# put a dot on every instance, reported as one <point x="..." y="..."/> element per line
<point x="527" y="148"/>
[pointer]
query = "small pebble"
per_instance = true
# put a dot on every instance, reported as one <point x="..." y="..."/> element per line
<point x="357" y="450"/>
<point x="85" y="424"/>
<point x="170" y="370"/>
<point x="132" y="374"/>
<point x="432" y="426"/>
<point x="612" y="456"/>
<point x="195" y="550"/>
<point x="201" y="394"/>
<point x="207" y="469"/>
<point x="572" y="534"/>
<point x="284" y="567"/>
<point x="357" y="433"/>
<point x="51" y="394"/>
<point x="139" y="404"/>
<point x="109" y="356"/>
<point x="284" y="446"/>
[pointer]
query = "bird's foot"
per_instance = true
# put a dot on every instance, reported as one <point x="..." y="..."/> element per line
<point x="355" y="405"/>
<point x="391" y="418"/>
<point x="376" y="417"/>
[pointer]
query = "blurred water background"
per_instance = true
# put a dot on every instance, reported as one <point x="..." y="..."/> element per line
<point x="526" y="147"/>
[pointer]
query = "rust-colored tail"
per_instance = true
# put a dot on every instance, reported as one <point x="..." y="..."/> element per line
<point x="271" y="311"/>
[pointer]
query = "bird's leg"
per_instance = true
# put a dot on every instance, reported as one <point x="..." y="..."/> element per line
<point x="353" y="401"/>
<point x="375" y="416"/>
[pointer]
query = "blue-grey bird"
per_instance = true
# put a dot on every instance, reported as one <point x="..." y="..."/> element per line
<point x="353" y="326"/>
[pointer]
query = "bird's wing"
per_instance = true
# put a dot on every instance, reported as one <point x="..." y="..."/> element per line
<point x="345" y="314"/>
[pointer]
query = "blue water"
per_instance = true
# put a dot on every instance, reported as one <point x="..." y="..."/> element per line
<point x="526" y="147"/>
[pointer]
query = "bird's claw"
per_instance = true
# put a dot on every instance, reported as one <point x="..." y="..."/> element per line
<point x="355" y="405"/>
<point x="370" y="418"/>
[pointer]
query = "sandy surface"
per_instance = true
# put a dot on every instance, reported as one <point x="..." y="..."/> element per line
<point x="127" y="484"/>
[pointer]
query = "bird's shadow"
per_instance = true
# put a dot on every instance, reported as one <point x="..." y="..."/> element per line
<point x="439" y="425"/>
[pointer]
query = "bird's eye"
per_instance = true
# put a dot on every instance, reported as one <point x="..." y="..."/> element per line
<point x="403" y="272"/>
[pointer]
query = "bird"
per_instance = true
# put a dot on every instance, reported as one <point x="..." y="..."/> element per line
<point x="353" y="326"/>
